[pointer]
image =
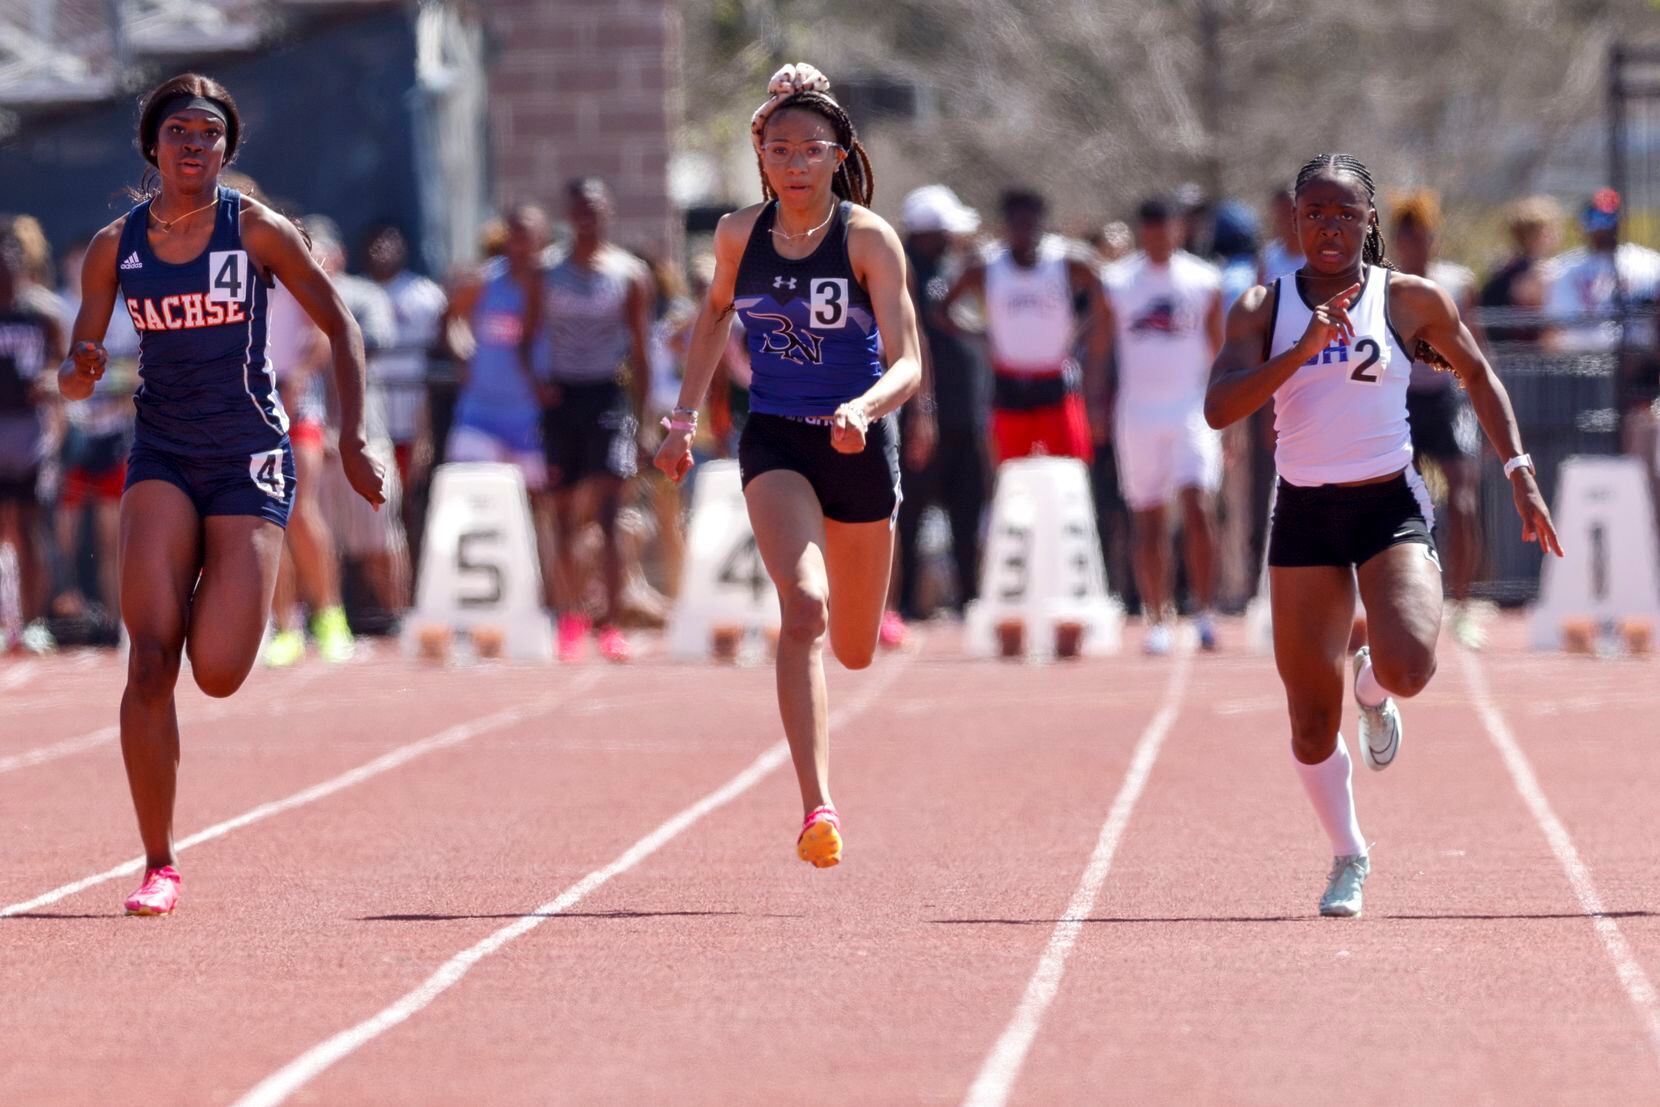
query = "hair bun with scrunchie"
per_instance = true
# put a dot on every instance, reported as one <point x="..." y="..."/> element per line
<point x="784" y="84"/>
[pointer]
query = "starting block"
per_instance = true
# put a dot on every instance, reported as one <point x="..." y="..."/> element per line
<point x="1043" y="588"/>
<point x="726" y="595"/>
<point x="480" y="576"/>
<point x="1610" y="576"/>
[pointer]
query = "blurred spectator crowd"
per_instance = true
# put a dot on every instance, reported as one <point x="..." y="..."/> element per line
<point x="562" y="350"/>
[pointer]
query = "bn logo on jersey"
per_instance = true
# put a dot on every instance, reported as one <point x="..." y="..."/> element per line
<point x="801" y="347"/>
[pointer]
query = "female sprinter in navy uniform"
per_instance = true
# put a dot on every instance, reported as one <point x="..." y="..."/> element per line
<point x="210" y="480"/>
<point x="815" y="277"/>
<point x="1333" y="345"/>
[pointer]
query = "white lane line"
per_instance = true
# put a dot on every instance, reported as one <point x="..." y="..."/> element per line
<point x="1638" y="988"/>
<point x="92" y="739"/>
<point x="293" y="1076"/>
<point x="17" y="674"/>
<point x="1002" y="1066"/>
<point x="402" y="755"/>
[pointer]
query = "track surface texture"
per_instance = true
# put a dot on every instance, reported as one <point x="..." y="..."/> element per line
<point x="1090" y="881"/>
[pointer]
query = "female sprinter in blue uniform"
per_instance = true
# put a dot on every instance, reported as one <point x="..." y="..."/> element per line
<point x="210" y="479"/>
<point x="816" y="277"/>
<point x="1333" y="345"/>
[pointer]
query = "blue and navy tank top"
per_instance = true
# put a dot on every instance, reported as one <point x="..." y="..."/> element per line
<point x="812" y="337"/>
<point x="206" y="386"/>
<point x="497" y="399"/>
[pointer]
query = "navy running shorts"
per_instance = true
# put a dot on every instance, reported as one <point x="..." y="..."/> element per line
<point x="852" y="488"/>
<point x="259" y="484"/>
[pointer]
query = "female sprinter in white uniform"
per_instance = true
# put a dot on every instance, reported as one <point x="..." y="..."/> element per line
<point x="1332" y="344"/>
<point x="815" y="277"/>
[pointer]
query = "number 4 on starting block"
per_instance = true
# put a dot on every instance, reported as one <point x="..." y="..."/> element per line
<point x="724" y="589"/>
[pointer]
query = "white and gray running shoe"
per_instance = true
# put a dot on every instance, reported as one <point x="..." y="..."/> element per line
<point x="1380" y="727"/>
<point x="1345" y="886"/>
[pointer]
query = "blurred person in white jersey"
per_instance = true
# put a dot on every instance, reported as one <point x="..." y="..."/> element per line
<point x="1166" y="307"/>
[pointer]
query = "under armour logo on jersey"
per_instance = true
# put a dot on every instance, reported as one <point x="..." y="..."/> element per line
<point x="132" y="261"/>
<point x="784" y="282"/>
<point x="803" y="348"/>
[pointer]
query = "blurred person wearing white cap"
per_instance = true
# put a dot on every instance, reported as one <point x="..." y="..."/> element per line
<point x="944" y="460"/>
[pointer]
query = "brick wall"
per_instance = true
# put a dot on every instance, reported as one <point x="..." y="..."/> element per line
<point x="587" y="88"/>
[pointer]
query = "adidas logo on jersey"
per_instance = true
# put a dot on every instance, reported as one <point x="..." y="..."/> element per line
<point x="784" y="282"/>
<point x="132" y="261"/>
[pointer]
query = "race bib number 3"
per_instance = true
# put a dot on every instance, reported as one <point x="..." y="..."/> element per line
<point x="228" y="276"/>
<point x="828" y="297"/>
<point x="266" y="469"/>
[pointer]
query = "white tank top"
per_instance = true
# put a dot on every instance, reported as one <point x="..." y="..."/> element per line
<point x="1342" y="416"/>
<point x="1029" y="317"/>
<point x="1164" y="353"/>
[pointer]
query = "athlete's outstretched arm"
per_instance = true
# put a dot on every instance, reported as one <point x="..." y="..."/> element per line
<point x="1434" y="318"/>
<point x="275" y="242"/>
<point x="99" y="290"/>
<point x="1244" y="376"/>
<point x="878" y="262"/>
<point x="707" y="339"/>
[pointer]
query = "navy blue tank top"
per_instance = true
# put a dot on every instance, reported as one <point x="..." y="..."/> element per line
<point x="205" y="387"/>
<point x="811" y="334"/>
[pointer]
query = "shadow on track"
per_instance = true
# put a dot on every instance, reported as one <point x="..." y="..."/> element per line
<point x="1300" y="918"/>
<point x="570" y="915"/>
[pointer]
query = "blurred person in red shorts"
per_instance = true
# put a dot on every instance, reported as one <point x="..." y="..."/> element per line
<point x="1029" y="291"/>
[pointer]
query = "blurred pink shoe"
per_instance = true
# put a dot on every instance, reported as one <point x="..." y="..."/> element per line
<point x="613" y="646"/>
<point x="159" y="893"/>
<point x="573" y="637"/>
<point x="893" y="632"/>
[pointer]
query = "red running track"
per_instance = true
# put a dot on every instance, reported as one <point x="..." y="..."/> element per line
<point x="369" y="825"/>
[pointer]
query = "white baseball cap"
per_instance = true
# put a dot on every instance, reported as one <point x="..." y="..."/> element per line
<point x="936" y="208"/>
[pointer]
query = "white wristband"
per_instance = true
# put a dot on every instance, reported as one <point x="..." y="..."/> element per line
<point x="1517" y="462"/>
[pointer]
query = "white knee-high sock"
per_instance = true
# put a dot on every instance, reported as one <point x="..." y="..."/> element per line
<point x="1367" y="689"/>
<point x="1328" y="788"/>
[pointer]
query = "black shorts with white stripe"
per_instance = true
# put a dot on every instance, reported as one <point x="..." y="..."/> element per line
<point x="1348" y="525"/>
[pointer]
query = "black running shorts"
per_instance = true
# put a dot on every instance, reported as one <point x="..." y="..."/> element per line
<point x="1348" y="525"/>
<point x="852" y="488"/>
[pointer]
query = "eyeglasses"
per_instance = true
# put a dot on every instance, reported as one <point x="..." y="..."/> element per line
<point x="782" y="153"/>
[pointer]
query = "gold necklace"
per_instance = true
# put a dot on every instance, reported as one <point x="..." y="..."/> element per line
<point x="167" y="224"/>
<point x="787" y="236"/>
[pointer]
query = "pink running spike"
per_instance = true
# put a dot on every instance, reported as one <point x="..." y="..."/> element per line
<point x="613" y="646"/>
<point x="573" y="636"/>
<point x="159" y="893"/>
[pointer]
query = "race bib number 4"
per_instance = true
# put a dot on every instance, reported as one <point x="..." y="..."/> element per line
<point x="266" y="469"/>
<point x="228" y="276"/>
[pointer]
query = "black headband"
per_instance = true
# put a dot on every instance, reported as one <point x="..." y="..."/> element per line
<point x="185" y="101"/>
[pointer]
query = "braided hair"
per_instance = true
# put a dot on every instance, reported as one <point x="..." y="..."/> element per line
<point x="855" y="179"/>
<point x="1373" y="252"/>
